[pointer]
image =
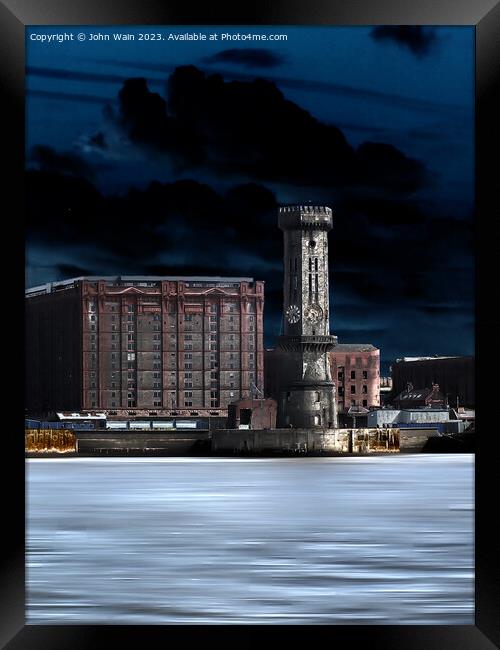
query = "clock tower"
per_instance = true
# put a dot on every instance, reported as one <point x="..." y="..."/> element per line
<point x="307" y="392"/>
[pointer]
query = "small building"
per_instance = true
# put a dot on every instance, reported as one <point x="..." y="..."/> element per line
<point x="385" y="390"/>
<point x="252" y="414"/>
<point x="430" y="417"/>
<point x="419" y="397"/>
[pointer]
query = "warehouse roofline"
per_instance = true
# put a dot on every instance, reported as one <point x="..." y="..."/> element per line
<point x="135" y="278"/>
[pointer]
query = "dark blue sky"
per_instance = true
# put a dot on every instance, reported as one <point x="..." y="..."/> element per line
<point x="401" y="251"/>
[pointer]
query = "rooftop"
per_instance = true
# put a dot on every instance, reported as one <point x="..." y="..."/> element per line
<point x="134" y="278"/>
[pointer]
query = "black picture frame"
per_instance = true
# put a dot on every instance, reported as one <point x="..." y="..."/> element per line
<point x="15" y="15"/>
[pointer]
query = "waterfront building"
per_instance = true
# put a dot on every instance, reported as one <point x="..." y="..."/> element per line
<point x="455" y="376"/>
<point x="144" y="345"/>
<point x="356" y="370"/>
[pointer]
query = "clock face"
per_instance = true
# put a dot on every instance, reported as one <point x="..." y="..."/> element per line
<point x="293" y="314"/>
<point x="314" y="314"/>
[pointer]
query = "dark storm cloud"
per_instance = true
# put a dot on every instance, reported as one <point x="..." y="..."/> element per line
<point x="392" y="274"/>
<point x="248" y="57"/>
<point x="177" y="219"/>
<point x="246" y="128"/>
<point x="46" y="158"/>
<point x="418" y="39"/>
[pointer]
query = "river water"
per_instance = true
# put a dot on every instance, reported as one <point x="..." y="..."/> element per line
<point x="382" y="540"/>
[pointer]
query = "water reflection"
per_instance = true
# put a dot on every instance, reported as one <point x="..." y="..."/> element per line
<point x="384" y="540"/>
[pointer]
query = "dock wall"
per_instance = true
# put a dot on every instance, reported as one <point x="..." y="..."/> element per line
<point x="327" y="441"/>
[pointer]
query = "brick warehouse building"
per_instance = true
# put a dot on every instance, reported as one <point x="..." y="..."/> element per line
<point x="356" y="371"/>
<point x="144" y="345"/>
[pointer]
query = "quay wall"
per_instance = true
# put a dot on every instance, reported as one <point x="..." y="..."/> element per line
<point x="326" y="441"/>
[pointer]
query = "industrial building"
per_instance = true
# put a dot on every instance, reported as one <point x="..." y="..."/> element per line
<point x="144" y="345"/>
<point x="356" y="371"/>
<point x="455" y="376"/>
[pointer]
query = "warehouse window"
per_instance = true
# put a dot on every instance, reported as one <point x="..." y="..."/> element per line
<point x="188" y="403"/>
<point x="353" y="374"/>
<point x="365" y="402"/>
<point x="353" y="389"/>
<point x="365" y="389"/>
<point x="365" y="374"/>
<point x="156" y="403"/>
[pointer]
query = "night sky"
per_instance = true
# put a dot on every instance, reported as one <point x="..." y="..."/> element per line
<point x="171" y="158"/>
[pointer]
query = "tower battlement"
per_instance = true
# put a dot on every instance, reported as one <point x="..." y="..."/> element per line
<point x="297" y="217"/>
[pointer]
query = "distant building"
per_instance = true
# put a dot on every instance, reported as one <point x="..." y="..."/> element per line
<point x="419" y="398"/>
<point x="408" y="417"/>
<point x="144" y="345"/>
<point x="355" y="369"/>
<point x="385" y="390"/>
<point x="455" y="376"/>
<point x="356" y="372"/>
